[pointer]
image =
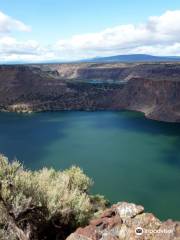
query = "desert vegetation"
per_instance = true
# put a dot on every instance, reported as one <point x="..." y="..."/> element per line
<point x="44" y="204"/>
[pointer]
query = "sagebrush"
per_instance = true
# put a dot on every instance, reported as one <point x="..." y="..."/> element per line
<point x="44" y="204"/>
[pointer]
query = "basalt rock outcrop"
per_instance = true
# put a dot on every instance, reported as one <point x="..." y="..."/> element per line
<point x="125" y="221"/>
<point x="152" y="88"/>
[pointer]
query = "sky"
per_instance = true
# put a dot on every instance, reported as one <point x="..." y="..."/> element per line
<point x="66" y="30"/>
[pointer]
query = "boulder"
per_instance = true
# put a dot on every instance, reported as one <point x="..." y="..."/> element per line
<point x="127" y="221"/>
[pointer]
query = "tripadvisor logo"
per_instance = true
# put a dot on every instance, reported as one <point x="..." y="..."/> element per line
<point x="139" y="231"/>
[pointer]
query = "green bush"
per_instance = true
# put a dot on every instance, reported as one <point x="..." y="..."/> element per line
<point x="44" y="204"/>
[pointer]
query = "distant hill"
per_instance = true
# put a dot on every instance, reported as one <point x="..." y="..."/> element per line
<point x="117" y="58"/>
<point x="134" y="58"/>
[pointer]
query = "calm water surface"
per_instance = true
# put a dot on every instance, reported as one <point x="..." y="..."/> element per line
<point x="129" y="157"/>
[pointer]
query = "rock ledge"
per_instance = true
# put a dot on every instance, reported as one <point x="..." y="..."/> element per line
<point x="127" y="221"/>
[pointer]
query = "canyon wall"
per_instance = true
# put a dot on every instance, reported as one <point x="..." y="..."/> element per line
<point x="152" y="88"/>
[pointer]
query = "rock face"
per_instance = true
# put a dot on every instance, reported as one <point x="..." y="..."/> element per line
<point x="126" y="221"/>
<point x="152" y="88"/>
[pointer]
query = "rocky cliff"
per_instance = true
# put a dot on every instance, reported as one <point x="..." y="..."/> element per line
<point x="152" y="88"/>
<point x="125" y="221"/>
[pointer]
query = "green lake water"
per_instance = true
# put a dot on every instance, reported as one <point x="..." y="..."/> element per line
<point x="129" y="157"/>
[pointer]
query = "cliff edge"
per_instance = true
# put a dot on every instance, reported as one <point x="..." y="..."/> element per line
<point x="127" y="221"/>
<point x="151" y="88"/>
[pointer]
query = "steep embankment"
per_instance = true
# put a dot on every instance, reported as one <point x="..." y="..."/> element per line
<point x="152" y="88"/>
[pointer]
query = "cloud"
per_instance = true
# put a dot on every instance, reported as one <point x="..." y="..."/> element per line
<point x="13" y="50"/>
<point x="9" y="24"/>
<point x="10" y="45"/>
<point x="159" y="35"/>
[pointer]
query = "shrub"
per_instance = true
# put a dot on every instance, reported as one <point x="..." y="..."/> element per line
<point x="44" y="204"/>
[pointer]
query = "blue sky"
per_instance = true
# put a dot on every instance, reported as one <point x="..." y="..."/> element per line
<point x="54" y="24"/>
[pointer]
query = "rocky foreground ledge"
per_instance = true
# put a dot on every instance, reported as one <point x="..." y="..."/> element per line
<point x="126" y="221"/>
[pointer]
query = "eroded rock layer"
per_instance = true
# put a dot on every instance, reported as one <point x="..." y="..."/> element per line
<point x="152" y="88"/>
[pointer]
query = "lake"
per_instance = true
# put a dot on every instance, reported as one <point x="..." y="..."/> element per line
<point x="129" y="157"/>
